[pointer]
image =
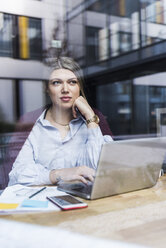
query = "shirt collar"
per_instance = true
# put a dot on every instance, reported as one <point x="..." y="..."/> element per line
<point x="42" y="119"/>
<point x="72" y="123"/>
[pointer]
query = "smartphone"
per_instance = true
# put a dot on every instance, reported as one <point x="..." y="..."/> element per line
<point x="67" y="202"/>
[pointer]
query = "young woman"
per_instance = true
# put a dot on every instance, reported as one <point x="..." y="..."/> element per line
<point x="65" y="142"/>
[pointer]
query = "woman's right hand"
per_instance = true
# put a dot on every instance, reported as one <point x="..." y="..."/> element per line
<point x="84" y="108"/>
<point x="80" y="173"/>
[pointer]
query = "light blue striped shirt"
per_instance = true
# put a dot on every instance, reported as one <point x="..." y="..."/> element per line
<point x="45" y="150"/>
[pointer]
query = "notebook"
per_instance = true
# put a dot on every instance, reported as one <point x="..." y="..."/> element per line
<point x="123" y="166"/>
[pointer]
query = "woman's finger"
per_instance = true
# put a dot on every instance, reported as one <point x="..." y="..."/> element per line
<point x="82" y="179"/>
<point x="90" y="178"/>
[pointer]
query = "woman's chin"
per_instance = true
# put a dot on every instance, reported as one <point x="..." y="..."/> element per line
<point x="66" y="106"/>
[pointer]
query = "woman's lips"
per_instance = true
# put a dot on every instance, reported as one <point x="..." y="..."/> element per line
<point x="65" y="98"/>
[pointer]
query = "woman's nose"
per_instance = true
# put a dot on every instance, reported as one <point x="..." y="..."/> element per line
<point x="65" y="87"/>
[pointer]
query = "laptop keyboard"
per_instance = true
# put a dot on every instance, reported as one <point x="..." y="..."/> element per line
<point x="86" y="189"/>
<point x="79" y="187"/>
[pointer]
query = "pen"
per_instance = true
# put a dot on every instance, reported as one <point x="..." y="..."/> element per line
<point x="37" y="192"/>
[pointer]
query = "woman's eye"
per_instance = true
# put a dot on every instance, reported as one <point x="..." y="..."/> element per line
<point x="73" y="82"/>
<point x="56" y="82"/>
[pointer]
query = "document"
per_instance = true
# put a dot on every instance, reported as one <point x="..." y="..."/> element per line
<point x="19" y="198"/>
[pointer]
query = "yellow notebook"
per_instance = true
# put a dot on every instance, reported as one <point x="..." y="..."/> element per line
<point x="8" y="205"/>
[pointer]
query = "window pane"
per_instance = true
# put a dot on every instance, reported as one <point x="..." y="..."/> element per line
<point x="35" y="38"/>
<point x="23" y="34"/>
<point x="92" y="40"/>
<point x="131" y="106"/>
<point x="153" y="21"/>
<point x="7" y="100"/>
<point x="5" y="35"/>
<point x="114" y="101"/>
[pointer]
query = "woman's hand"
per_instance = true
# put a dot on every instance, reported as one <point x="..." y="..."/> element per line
<point x="80" y="173"/>
<point x="82" y="105"/>
<point x="85" y="109"/>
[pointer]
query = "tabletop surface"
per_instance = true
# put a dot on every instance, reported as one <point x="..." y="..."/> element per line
<point x="138" y="217"/>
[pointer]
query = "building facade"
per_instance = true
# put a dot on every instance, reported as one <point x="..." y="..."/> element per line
<point x="120" y="44"/>
<point x="30" y="31"/>
<point x="122" y="48"/>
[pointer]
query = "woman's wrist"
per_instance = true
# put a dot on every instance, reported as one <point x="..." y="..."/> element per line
<point x="92" y="125"/>
<point x="93" y="121"/>
<point x="55" y="176"/>
<point x="89" y="114"/>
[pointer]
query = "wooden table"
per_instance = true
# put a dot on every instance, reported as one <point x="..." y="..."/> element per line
<point x="138" y="217"/>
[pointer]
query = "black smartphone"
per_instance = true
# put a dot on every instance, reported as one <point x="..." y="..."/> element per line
<point x="67" y="202"/>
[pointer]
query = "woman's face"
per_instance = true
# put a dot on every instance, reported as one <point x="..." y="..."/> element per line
<point x="63" y="88"/>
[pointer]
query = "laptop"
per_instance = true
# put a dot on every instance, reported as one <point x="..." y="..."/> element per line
<point x="123" y="166"/>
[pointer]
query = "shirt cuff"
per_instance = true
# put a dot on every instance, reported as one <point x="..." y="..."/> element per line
<point x="95" y="134"/>
<point x="45" y="177"/>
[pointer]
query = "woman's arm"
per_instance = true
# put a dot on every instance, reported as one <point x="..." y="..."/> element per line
<point x="91" y="151"/>
<point x="25" y="170"/>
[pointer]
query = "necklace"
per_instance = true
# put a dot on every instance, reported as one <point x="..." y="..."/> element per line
<point x="64" y="125"/>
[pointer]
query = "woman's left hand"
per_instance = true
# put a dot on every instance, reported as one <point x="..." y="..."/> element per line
<point x="84" y="108"/>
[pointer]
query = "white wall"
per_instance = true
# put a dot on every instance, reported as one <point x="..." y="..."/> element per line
<point x="20" y="69"/>
<point x="32" y="95"/>
<point x="157" y="79"/>
<point x="40" y="9"/>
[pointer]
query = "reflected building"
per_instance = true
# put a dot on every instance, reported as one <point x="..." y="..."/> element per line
<point x="122" y="48"/>
<point x="120" y="44"/>
<point x="29" y="31"/>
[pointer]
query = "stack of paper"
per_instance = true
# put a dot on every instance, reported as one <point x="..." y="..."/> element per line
<point x="16" y="199"/>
